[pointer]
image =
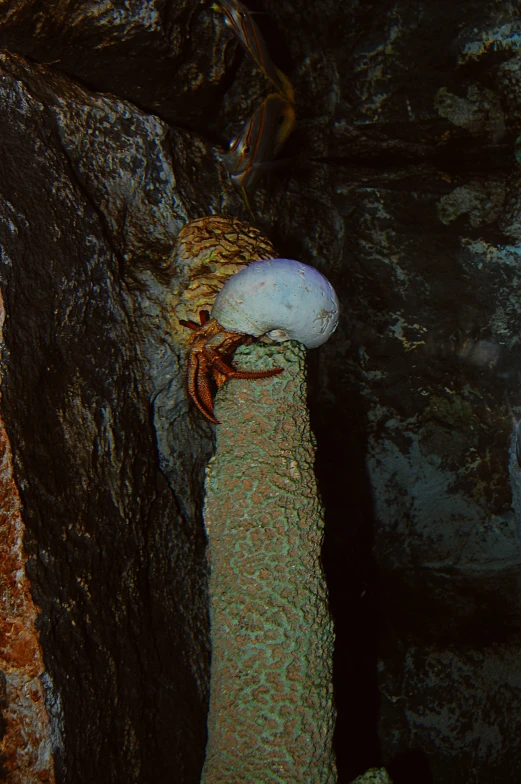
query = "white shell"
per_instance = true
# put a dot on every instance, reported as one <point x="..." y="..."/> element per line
<point x="281" y="298"/>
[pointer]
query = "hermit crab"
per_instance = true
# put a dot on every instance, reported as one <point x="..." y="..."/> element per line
<point x="277" y="299"/>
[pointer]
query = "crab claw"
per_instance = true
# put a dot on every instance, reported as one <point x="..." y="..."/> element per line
<point x="209" y="360"/>
<point x="198" y="387"/>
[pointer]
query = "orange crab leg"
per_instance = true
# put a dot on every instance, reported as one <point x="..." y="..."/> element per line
<point x="203" y="387"/>
<point x="230" y="372"/>
<point x="256" y="373"/>
<point x="206" y="360"/>
<point x="198" y="385"/>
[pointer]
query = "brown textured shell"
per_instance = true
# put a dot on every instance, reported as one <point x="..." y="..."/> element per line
<point x="208" y="251"/>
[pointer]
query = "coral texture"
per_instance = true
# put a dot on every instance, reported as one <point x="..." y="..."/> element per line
<point x="271" y="713"/>
<point x="373" y="776"/>
<point x="207" y="252"/>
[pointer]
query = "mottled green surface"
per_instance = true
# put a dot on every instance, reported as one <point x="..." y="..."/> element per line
<point x="271" y="715"/>
<point x="374" y="776"/>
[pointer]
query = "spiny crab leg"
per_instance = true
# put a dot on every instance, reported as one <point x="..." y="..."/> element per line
<point x="205" y="361"/>
<point x="194" y="381"/>
<point x="203" y="386"/>
<point x="230" y="372"/>
<point x="197" y="378"/>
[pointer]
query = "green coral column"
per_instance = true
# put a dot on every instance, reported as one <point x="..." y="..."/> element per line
<point x="271" y="707"/>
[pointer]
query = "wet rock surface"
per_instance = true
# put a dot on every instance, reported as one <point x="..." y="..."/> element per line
<point x="403" y="187"/>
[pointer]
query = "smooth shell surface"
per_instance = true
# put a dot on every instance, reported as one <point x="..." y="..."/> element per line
<point x="281" y="298"/>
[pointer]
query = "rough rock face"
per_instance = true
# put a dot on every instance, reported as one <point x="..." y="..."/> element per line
<point x="115" y="554"/>
<point x="26" y="734"/>
<point x="405" y="192"/>
<point x="162" y="56"/>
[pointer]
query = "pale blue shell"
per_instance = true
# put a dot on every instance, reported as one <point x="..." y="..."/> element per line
<point x="281" y="298"/>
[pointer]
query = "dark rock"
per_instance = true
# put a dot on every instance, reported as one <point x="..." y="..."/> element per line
<point x="115" y="554"/>
<point x="166" y="57"/>
<point x="449" y="713"/>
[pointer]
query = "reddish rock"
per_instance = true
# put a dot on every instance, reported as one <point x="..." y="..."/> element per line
<point x="25" y="745"/>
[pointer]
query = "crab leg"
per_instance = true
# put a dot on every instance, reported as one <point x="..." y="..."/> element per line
<point x="198" y="385"/>
<point x="230" y="372"/>
<point x="204" y="392"/>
